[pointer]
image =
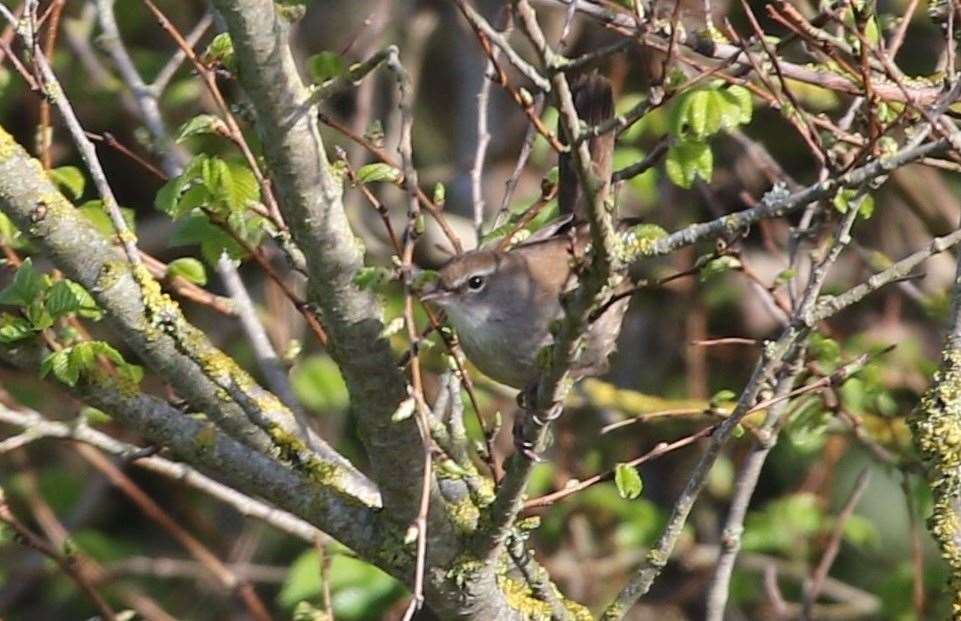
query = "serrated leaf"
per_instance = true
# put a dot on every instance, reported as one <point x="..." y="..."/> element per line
<point x="25" y="287"/>
<point x="378" y="171"/>
<point x="628" y="481"/>
<point x="14" y="328"/>
<point x="168" y="196"/>
<point x="243" y="188"/>
<point x="189" y="269"/>
<point x="61" y="300"/>
<point x="68" y="364"/>
<point x="404" y="410"/>
<point x="325" y="66"/>
<point x="36" y="312"/>
<point x="201" y="124"/>
<point x="58" y="363"/>
<point x="69" y="179"/>
<point x="687" y="161"/>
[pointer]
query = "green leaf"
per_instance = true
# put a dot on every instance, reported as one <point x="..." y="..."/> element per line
<point x="740" y="98"/>
<point x="66" y="297"/>
<point x="628" y="481"/>
<point x="318" y="384"/>
<point x="688" y="160"/>
<point x="826" y="350"/>
<point x="359" y="590"/>
<point x="95" y="213"/>
<point x="440" y="194"/>
<point x="243" y="188"/>
<point x="69" y="363"/>
<point x="69" y="179"/>
<point x="168" y="196"/>
<point x="13" y="328"/>
<point x="189" y="269"/>
<point x="723" y="396"/>
<point x="58" y="363"/>
<point x="25" y="288"/>
<point x="846" y="198"/>
<point x="807" y="429"/>
<point x="201" y="124"/>
<point x="213" y="241"/>
<point x="9" y="235"/>
<point x="325" y="66"/>
<point x="702" y="112"/>
<point x="719" y="266"/>
<point x="36" y="312"/>
<point x="372" y="277"/>
<point x="221" y="50"/>
<point x="378" y="171"/>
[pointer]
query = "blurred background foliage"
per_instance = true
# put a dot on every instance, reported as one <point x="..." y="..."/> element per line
<point x="591" y="540"/>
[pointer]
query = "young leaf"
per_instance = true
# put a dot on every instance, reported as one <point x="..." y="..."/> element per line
<point x="189" y="269"/>
<point x="628" y="481"/>
<point x="740" y="97"/>
<point x="201" y="124"/>
<point x="221" y="50"/>
<point x="61" y="300"/>
<point x="719" y="266"/>
<point x="379" y="171"/>
<point x="58" y="363"/>
<point x="69" y="179"/>
<point x="25" y="287"/>
<point x="688" y="160"/>
<point x="14" y="328"/>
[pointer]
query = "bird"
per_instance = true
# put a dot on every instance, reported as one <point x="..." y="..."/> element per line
<point x="502" y="302"/>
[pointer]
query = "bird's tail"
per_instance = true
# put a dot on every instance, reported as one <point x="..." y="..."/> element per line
<point x="594" y="102"/>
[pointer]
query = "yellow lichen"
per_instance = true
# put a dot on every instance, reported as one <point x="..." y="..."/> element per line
<point x="110" y="274"/>
<point x="639" y="241"/>
<point x="464" y="514"/>
<point x="937" y="435"/>
<point x="8" y="146"/>
<point x="520" y="597"/>
<point x="292" y="450"/>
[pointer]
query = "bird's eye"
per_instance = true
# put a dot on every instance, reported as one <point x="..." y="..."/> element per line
<point x="475" y="283"/>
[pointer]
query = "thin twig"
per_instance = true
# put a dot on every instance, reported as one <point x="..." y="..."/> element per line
<point x="833" y="546"/>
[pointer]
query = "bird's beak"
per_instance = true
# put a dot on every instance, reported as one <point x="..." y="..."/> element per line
<point x="433" y="292"/>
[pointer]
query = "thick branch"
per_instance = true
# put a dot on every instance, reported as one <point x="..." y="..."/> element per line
<point x="146" y="319"/>
<point x="233" y="463"/>
<point x="310" y="199"/>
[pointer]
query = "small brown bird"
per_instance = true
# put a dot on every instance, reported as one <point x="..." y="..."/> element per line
<point x="501" y="303"/>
